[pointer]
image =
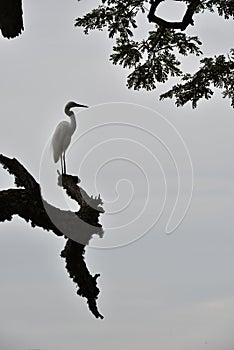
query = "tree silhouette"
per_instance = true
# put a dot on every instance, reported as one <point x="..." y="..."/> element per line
<point x="157" y="57"/>
<point x="26" y="201"/>
<point x="11" y="18"/>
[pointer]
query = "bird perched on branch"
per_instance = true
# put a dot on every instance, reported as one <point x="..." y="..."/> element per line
<point x="63" y="133"/>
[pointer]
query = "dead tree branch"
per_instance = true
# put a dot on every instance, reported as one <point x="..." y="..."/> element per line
<point x="26" y="201"/>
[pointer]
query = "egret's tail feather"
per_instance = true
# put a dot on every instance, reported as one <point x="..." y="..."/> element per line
<point x="55" y="157"/>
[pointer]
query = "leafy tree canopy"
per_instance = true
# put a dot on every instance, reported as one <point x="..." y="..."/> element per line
<point x="157" y="57"/>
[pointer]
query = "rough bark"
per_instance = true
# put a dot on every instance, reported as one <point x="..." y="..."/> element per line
<point x="28" y="203"/>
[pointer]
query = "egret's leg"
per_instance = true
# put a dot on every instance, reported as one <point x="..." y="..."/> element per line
<point x="64" y="163"/>
<point x="61" y="160"/>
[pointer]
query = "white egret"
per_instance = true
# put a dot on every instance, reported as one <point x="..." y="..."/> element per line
<point x="62" y="135"/>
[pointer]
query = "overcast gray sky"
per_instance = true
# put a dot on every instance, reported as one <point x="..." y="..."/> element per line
<point x="170" y="292"/>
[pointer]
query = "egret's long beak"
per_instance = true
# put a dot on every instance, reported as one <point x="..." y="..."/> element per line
<point x="79" y="105"/>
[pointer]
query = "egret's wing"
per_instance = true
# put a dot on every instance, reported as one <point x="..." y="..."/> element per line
<point x="58" y="140"/>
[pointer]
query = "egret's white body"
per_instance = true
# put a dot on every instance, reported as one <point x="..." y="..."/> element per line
<point x="62" y="135"/>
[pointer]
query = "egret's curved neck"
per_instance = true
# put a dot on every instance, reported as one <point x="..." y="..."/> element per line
<point x="71" y="115"/>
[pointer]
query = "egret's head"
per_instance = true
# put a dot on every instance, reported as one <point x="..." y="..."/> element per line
<point x="72" y="104"/>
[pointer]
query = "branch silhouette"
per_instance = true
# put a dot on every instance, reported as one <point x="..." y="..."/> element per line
<point x="11" y="18"/>
<point x="182" y="25"/>
<point x="26" y="201"/>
